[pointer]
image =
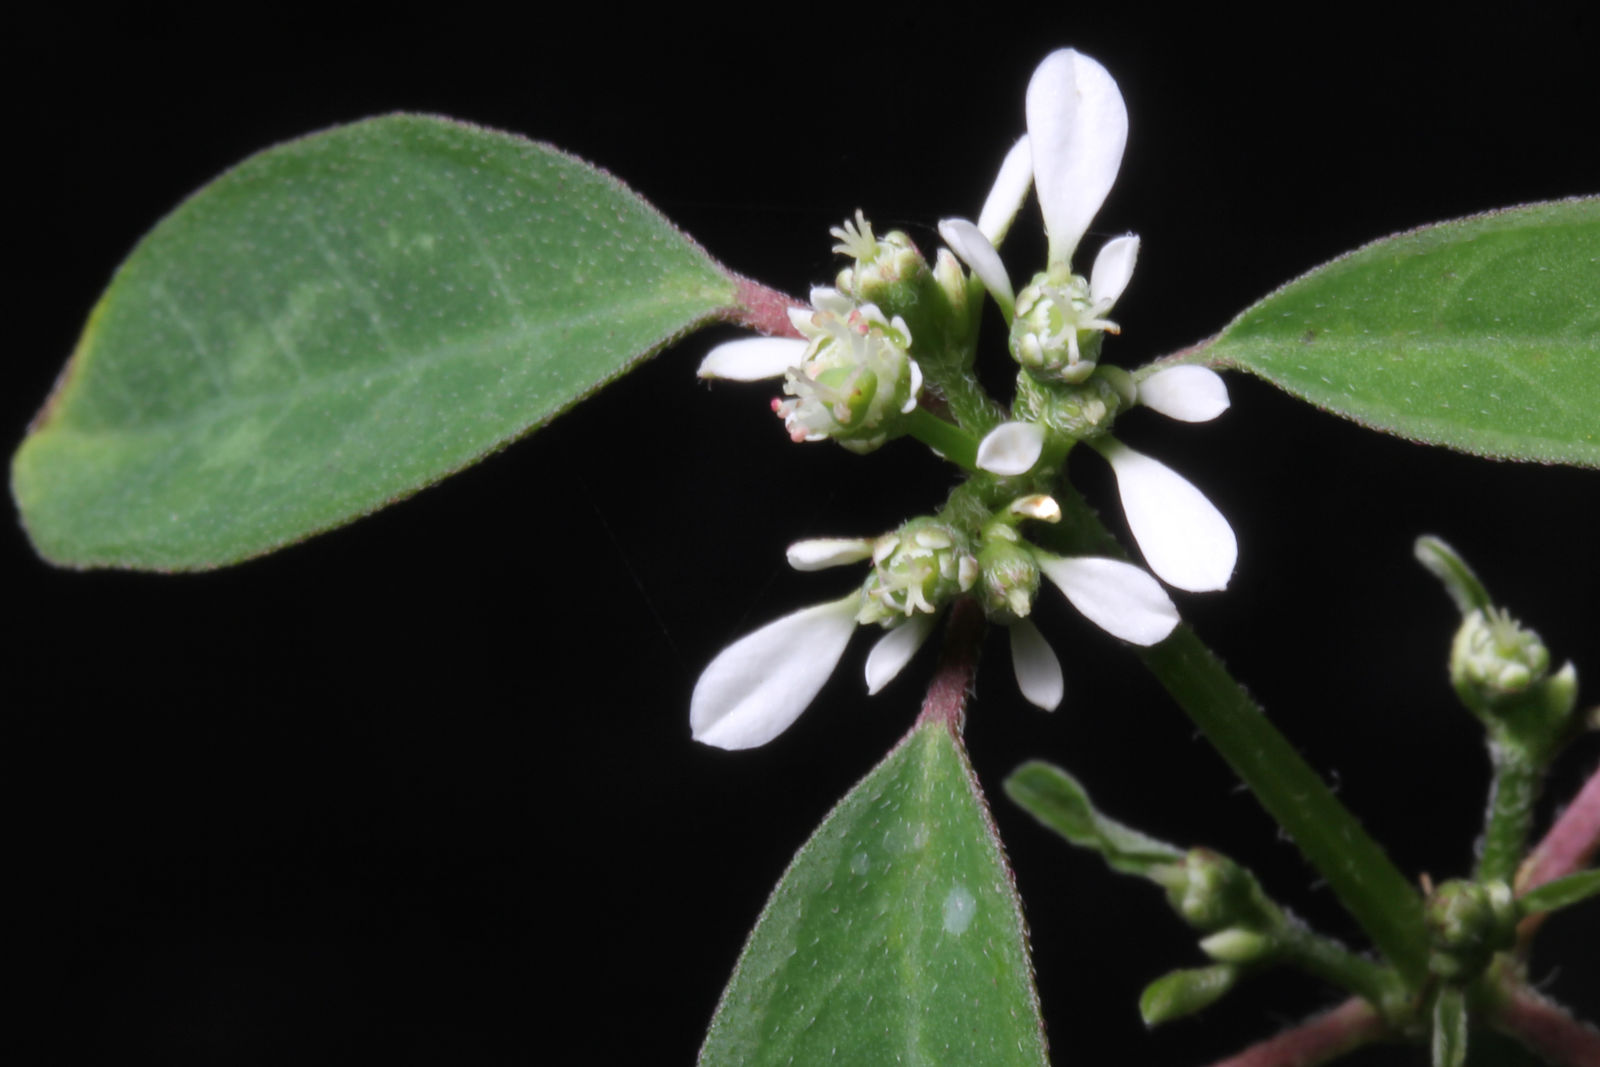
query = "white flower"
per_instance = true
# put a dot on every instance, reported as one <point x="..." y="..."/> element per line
<point x="757" y="687"/>
<point x="1186" y="541"/>
<point x="1077" y="130"/>
<point x="848" y="377"/>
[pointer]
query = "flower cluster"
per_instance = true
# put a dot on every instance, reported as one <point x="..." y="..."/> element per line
<point x="759" y="685"/>
<point x="855" y="376"/>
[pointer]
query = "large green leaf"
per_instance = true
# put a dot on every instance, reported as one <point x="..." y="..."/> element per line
<point x="1482" y="334"/>
<point x="337" y="322"/>
<point x="895" y="937"/>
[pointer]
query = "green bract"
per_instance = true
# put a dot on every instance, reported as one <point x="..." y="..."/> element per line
<point x="337" y="322"/>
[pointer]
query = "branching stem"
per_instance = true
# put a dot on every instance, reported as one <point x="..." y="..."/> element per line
<point x="1317" y="1040"/>
<point x="1547" y="1028"/>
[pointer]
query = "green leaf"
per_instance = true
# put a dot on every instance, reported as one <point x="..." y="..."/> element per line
<point x="895" y="936"/>
<point x="1481" y="334"/>
<point x="1560" y="893"/>
<point x="337" y="322"/>
<point x="1060" y="802"/>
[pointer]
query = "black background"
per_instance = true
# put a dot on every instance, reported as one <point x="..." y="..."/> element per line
<point x="422" y="789"/>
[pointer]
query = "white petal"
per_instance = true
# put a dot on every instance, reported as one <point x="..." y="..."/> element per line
<point x="752" y="358"/>
<point x="1192" y="394"/>
<point x="895" y="649"/>
<point x="1121" y="599"/>
<point x="819" y="553"/>
<point x="1112" y="269"/>
<point x="1037" y="669"/>
<point x="1011" y="448"/>
<point x="1183" y="536"/>
<point x="1009" y="191"/>
<point x="759" y="685"/>
<point x="1078" y="125"/>
<point x="968" y="242"/>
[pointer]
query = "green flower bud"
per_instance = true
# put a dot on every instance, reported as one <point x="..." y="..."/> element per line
<point x="1468" y="923"/>
<point x="1238" y="945"/>
<point x="1494" y="657"/>
<point x="919" y="568"/>
<point x="891" y="273"/>
<point x="1212" y="892"/>
<point x="1180" y="993"/>
<point x="1080" y="411"/>
<point x="1008" y="575"/>
<point x="1058" y="328"/>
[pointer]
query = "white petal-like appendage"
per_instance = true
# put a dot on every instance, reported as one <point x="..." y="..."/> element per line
<point x="968" y="242"/>
<point x="758" y="686"/>
<point x="1191" y="394"/>
<point x="1183" y="536"/>
<point x="753" y="358"/>
<point x="1011" y="448"/>
<point x="1037" y="669"/>
<point x="1121" y="599"/>
<point x="1078" y="126"/>
<point x="895" y="649"/>
<point x="1113" y="268"/>
<point x="827" y="298"/>
<point x="1009" y="191"/>
<point x="819" y="553"/>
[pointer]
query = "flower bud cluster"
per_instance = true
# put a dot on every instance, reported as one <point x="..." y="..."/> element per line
<point x="1468" y="922"/>
<point x="1213" y="893"/>
<point x="919" y="568"/>
<point x="855" y="379"/>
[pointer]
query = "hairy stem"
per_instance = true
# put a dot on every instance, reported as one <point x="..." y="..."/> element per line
<point x="1566" y="849"/>
<point x="1333" y="963"/>
<point x="1317" y="1040"/>
<point x="763" y="310"/>
<point x="1374" y="891"/>
<point x="946" y="701"/>
<point x="1369" y="885"/>
<point x="972" y="406"/>
<point x="1571" y="842"/>
<point x="1545" y="1027"/>
<point x="1510" y="816"/>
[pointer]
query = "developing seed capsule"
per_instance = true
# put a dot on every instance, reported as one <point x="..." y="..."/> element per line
<point x="1080" y="411"/>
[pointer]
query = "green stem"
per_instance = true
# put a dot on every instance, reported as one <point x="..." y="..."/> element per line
<point x="1332" y="962"/>
<point x="1510" y="816"/>
<point x="973" y="407"/>
<point x="946" y="438"/>
<point x="1369" y="885"/>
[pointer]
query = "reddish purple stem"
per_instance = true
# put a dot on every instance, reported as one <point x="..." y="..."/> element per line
<point x="1316" y="1040"/>
<point x="1571" y="842"/>
<point x="946" y="701"/>
<point x="763" y="310"/>
<point x="1547" y="1029"/>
